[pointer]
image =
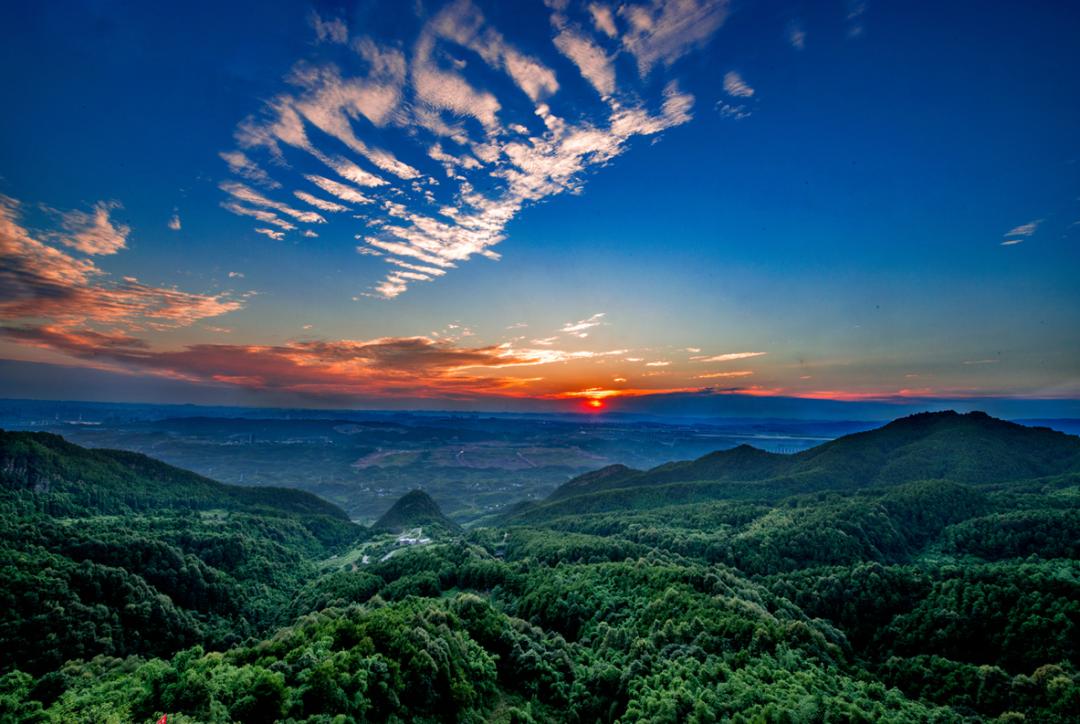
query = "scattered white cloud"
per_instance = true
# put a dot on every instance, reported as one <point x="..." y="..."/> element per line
<point x="578" y="328"/>
<point x="856" y="10"/>
<point x="796" y="36"/>
<point x="236" y="275"/>
<point x="446" y="90"/>
<point x="330" y="102"/>
<point x="342" y="191"/>
<point x="1025" y="229"/>
<point x="276" y="235"/>
<point x="736" y="112"/>
<point x="658" y="363"/>
<point x="735" y="86"/>
<point x="321" y="204"/>
<point x="245" y="168"/>
<point x="727" y="357"/>
<point x="267" y="217"/>
<point x="333" y="30"/>
<point x="603" y="19"/>
<point x="663" y="32"/>
<point x="495" y="148"/>
<point x="427" y="271"/>
<point x="593" y="63"/>
<point x="174" y="222"/>
<point x="248" y="195"/>
<point x="462" y="23"/>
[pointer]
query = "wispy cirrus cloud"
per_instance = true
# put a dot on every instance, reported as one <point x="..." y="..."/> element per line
<point x="1019" y="234"/>
<point x="477" y="153"/>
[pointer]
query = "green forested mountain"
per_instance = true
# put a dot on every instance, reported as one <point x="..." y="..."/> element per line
<point x="935" y="578"/>
<point x="974" y="448"/>
<point x="65" y="478"/>
<point x="104" y="552"/>
<point x="412" y="510"/>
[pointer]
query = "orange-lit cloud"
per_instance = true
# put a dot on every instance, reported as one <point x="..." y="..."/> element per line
<point x="93" y="232"/>
<point x="41" y="282"/>
<point x="719" y="375"/>
<point x="406" y="366"/>
<point x="601" y="393"/>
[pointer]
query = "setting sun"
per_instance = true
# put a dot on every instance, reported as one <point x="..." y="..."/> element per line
<point x="595" y="404"/>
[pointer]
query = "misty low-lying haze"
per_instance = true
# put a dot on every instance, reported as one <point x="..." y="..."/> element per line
<point x="534" y="361"/>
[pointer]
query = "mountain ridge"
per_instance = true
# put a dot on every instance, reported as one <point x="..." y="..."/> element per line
<point x="69" y="476"/>
<point x="972" y="448"/>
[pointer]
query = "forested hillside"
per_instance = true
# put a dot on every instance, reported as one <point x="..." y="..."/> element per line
<point x="415" y="509"/>
<point x="974" y="449"/>
<point x="935" y="578"/>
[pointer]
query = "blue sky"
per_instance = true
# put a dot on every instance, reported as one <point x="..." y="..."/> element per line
<point x="537" y="202"/>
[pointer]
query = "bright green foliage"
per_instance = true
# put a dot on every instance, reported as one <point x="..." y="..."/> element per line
<point x="912" y="589"/>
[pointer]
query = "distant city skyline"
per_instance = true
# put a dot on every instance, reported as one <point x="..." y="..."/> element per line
<point x="658" y="207"/>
